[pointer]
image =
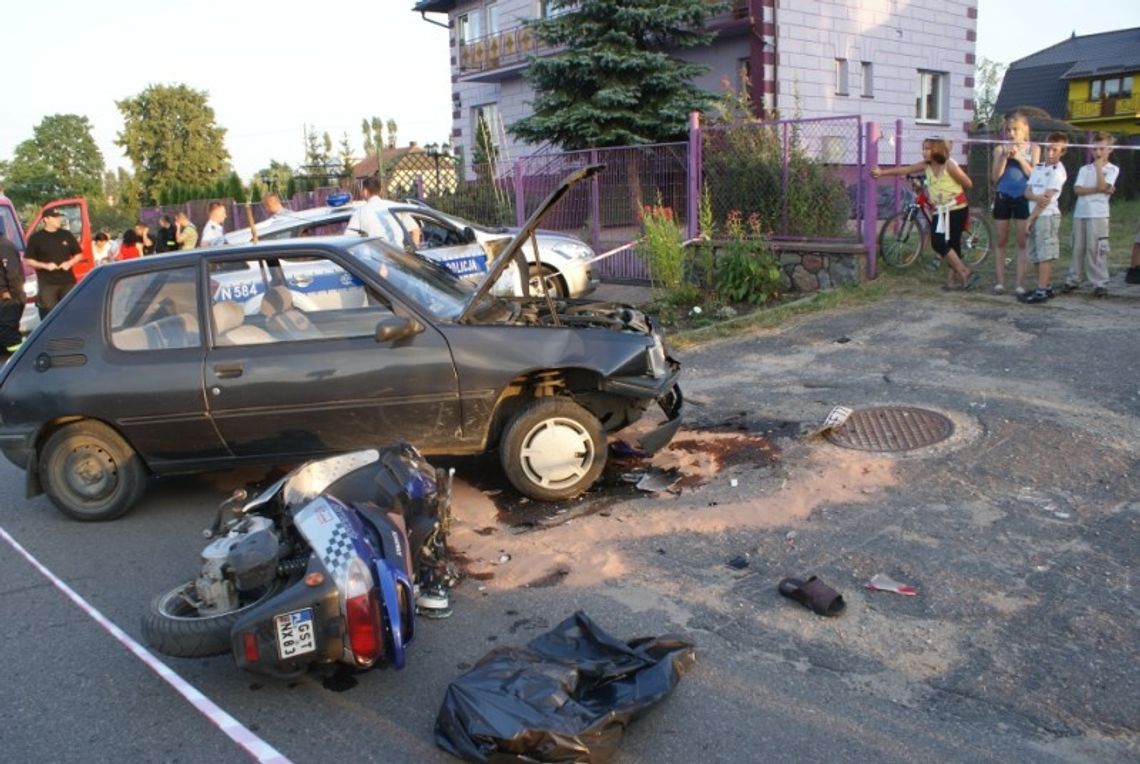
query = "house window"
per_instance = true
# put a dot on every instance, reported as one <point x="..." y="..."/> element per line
<point x="492" y="18"/>
<point x="841" y="76"/>
<point x="485" y="131"/>
<point x="471" y="26"/>
<point x="930" y="102"/>
<point x="549" y="8"/>
<point x="868" y="79"/>
<point x="1110" y="87"/>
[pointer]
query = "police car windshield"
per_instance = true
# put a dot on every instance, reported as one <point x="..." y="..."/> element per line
<point x="431" y="286"/>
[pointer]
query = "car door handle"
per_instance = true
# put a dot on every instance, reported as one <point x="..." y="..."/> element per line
<point x="228" y="370"/>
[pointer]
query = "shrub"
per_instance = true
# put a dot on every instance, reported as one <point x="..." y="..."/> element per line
<point x="663" y="247"/>
<point x="747" y="269"/>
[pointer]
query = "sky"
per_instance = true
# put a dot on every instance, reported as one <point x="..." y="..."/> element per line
<point x="271" y="69"/>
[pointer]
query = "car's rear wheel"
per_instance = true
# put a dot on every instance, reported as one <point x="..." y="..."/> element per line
<point x="90" y="473"/>
<point x="553" y="281"/>
<point x="553" y="449"/>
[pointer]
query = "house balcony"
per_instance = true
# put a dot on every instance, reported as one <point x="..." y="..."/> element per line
<point x="1106" y="108"/>
<point x="502" y="54"/>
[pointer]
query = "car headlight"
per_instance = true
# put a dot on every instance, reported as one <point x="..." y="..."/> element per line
<point x="656" y="352"/>
<point x="572" y="250"/>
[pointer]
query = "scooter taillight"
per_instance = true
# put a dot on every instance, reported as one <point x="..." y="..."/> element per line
<point x="249" y="646"/>
<point x="362" y="612"/>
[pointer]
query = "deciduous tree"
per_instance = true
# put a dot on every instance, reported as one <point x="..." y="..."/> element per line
<point x="60" y="159"/>
<point x="171" y="137"/>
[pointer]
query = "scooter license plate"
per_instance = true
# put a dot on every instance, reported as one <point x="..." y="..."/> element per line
<point x="295" y="633"/>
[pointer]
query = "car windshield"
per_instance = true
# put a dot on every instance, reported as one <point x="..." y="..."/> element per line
<point x="431" y="286"/>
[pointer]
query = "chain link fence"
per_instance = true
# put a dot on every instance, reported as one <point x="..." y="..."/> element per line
<point x="800" y="178"/>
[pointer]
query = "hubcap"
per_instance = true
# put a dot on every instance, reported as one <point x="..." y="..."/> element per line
<point x="556" y="453"/>
<point x="91" y="473"/>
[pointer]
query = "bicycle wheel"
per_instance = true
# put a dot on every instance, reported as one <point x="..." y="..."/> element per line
<point x="977" y="239"/>
<point x="900" y="239"/>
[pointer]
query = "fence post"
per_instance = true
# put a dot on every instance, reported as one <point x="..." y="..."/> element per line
<point x="871" y="205"/>
<point x="692" y="211"/>
<point x="595" y="206"/>
<point x="520" y="197"/>
<point x="784" y="180"/>
<point x="898" y="161"/>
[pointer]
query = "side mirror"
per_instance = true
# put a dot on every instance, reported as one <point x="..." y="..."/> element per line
<point x="469" y="235"/>
<point x="397" y="328"/>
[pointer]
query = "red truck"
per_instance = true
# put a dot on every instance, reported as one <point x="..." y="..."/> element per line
<point x="75" y="219"/>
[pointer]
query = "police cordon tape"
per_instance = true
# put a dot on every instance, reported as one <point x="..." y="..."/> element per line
<point x="633" y="243"/>
<point x="231" y="727"/>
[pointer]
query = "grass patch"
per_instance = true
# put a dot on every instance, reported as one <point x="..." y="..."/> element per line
<point x="777" y="313"/>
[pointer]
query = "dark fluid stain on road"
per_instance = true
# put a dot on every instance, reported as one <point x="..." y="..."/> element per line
<point x="737" y="440"/>
<point x="340" y="680"/>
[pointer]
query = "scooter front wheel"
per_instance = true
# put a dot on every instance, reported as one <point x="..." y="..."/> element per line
<point x="174" y="626"/>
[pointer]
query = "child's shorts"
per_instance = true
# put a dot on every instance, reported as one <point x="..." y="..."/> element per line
<point x="1010" y="207"/>
<point x="1045" y="239"/>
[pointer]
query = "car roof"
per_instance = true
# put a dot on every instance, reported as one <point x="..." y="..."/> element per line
<point x="299" y="246"/>
<point x="287" y="219"/>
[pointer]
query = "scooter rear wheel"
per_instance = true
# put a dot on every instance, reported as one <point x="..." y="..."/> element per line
<point x="173" y="626"/>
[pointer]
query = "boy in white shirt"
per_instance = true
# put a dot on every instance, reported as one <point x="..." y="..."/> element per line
<point x="1044" y="193"/>
<point x="1094" y="186"/>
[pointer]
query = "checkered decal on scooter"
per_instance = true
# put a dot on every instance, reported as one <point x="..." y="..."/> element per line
<point x="323" y="525"/>
<point x="338" y="551"/>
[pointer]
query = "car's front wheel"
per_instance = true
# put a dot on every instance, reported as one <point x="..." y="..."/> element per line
<point x="554" y="283"/>
<point x="553" y="449"/>
<point x="90" y="473"/>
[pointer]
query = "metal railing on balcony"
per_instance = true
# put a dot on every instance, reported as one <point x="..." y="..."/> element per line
<point x="1106" y="107"/>
<point x="494" y="51"/>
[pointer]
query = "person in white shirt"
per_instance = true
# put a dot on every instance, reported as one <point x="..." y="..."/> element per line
<point x="273" y="206"/>
<point x="213" y="234"/>
<point x="1044" y="223"/>
<point x="368" y="220"/>
<point x="101" y="249"/>
<point x="1094" y="186"/>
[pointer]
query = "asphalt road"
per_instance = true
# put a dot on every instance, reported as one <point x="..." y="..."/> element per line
<point x="1020" y="532"/>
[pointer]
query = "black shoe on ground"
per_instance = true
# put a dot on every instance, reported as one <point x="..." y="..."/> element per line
<point x="1132" y="275"/>
<point x="1049" y="293"/>
<point x="1100" y="292"/>
<point x="1034" y="297"/>
<point x="1067" y="287"/>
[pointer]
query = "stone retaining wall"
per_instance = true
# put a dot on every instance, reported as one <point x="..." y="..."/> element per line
<point x="811" y="266"/>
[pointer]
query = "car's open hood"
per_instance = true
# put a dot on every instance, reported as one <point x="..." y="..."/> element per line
<point x="504" y="256"/>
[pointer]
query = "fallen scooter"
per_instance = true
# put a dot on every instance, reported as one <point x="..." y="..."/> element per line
<point x="327" y="565"/>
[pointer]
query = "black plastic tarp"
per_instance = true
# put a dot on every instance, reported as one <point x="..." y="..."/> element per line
<point x="565" y="697"/>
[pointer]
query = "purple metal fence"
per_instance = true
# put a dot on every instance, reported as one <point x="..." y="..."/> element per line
<point x="805" y="179"/>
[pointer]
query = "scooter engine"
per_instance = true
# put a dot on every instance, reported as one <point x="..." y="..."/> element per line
<point x="242" y="560"/>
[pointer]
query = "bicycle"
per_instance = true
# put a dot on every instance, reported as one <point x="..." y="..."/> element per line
<point x="905" y="234"/>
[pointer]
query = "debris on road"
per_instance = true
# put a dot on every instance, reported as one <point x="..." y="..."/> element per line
<point x="567" y="696"/>
<point x="881" y="582"/>
<point x="813" y="594"/>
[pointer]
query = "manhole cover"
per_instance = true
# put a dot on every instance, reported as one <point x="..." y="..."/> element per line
<point x="891" y="428"/>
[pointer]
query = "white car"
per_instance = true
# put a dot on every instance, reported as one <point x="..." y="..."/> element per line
<point x="464" y="247"/>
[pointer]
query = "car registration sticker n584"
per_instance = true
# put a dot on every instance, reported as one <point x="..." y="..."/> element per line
<point x="295" y="634"/>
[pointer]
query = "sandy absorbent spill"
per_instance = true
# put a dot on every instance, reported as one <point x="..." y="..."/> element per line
<point x="588" y="549"/>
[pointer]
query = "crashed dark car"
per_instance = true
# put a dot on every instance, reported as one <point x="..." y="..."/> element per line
<point x="282" y="351"/>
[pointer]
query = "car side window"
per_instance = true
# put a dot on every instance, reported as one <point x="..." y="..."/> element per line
<point x="292" y="299"/>
<point x="157" y="310"/>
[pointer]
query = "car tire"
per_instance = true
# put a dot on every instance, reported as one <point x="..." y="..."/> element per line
<point x="90" y="473"/>
<point x="553" y="282"/>
<point x="174" y="627"/>
<point x="553" y="449"/>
